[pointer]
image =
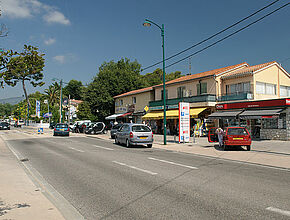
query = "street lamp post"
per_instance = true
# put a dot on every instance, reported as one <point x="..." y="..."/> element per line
<point x="148" y="23"/>
<point x="60" y="107"/>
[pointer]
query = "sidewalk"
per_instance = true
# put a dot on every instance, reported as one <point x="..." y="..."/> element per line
<point x="268" y="152"/>
<point x="19" y="197"/>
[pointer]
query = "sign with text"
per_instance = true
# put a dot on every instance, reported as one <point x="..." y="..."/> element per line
<point x="37" y="110"/>
<point x="184" y="122"/>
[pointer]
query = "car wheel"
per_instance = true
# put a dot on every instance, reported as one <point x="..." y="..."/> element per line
<point x="149" y="145"/>
<point x="248" y="147"/>
<point x="128" y="143"/>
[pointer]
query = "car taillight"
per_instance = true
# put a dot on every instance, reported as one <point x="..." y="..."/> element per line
<point x="152" y="134"/>
<point x="54" y="129"/>
<point x="131" y="134"/>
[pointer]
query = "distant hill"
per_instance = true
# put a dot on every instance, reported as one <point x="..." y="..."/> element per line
<point x="12" y="101"/>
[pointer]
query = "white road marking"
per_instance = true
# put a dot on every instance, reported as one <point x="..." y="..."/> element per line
<point x="234" y="161"/>
<point x="105" y="148"/>
<point x="76" y="149"/>
<point x="136" y="168"/>
<point x="170" y="162"/>
<point x="280" y="211"/>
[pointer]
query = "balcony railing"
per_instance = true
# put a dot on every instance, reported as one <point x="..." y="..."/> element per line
<point x="236" y="96"/>
<point x="191" y="99"/>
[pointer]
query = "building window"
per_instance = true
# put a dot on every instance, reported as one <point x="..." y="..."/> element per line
<point x="121" y="102"/>
<point x="116" y="103"/>
<point x="260" y="88"/>
<point x="284" y="91"/>
<point x="181" y="92"/>
<point x="166" y="94"/>
<point x="201" y="88"/>
<point x="265" y="88"/>
<point x="238" y="88"/>
<point x="270" y="89"/>
<point x="275" y="123"/>
<point x="134" y="100"/>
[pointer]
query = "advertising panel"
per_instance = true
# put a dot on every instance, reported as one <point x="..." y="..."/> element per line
<point x="184" y="121"/>
<point x="37" y="111"/>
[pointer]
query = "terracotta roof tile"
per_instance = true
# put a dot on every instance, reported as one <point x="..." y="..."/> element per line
<point x="247" y="70"/>
<point x="134" y="92"/>
<point x="203" y="74"/>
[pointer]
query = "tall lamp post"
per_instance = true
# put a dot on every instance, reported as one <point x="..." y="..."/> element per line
<point x="60" y="107"/>
<point x="148" y="23"/>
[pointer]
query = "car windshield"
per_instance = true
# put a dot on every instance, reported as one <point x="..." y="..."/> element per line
<point x="237" y="131"/>
<point x="117" y="126"/>
<point x="61" y="126"/>
<point x="140" y="128"/>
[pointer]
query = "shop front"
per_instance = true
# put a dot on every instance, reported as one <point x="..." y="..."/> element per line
<point x="155" y="119"/>
<point x="265" y="119"/>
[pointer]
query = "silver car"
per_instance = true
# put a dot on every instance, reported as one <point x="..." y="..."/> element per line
<point x="134" y="134"/>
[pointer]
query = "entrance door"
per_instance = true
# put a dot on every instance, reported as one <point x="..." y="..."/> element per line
<point x="212" y="136"/>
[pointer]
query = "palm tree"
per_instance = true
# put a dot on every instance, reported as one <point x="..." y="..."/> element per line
<point x="53" y="92"/>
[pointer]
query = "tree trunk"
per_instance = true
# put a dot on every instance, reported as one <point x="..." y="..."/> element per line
<point x="25" y="93"/>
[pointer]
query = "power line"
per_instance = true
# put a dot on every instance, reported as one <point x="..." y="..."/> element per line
<point x="224" y="38"/>
<point x="212" y="36"/>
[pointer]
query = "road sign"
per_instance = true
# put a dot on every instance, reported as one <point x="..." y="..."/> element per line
<point x="146" y="108"/>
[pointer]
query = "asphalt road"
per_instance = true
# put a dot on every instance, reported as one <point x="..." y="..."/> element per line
<point x="107" y="181"/>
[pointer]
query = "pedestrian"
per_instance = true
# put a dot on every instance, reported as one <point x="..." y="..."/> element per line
<point x="220" y="133"/>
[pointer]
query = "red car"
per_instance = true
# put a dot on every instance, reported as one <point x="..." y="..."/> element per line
<point x="234" y="136"/>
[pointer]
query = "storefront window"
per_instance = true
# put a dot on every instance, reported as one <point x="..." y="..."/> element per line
<point x="275" y="123"/>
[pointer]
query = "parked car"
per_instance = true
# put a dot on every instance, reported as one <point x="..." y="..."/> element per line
<point x="4" y="126"/>
<point x="114" y="130"/>
<point x="61" y="129"/>
<point x="52" y="125"/>
<point x="234" y="136"/>
<point x="95" y="128"/>
<point x="134" y="134"/>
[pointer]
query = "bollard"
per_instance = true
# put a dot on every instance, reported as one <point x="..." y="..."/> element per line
<point x="174" y="138"/>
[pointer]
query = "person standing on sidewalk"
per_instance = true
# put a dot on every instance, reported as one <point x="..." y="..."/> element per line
<point x="220" y="133"/>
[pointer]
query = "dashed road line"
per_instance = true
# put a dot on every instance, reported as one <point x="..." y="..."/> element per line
<point x="76" y="149"/>
<point x="280" y="211"/>
<point x="135" y="168"/>
<point x="173" y="163"/>
<point x="105" y="148"/>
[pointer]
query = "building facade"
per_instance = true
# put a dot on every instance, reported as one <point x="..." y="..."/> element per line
<point x="204" y="91"/>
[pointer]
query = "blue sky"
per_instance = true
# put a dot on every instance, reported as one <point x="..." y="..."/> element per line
<point x="78" y="36"/>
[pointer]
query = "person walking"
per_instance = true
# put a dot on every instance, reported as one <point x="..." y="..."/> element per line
<point x="220" y="133"/>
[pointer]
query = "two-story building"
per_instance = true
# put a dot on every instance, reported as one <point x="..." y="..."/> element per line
<point x="206" y="91"/>
<point x="130" y="105"/>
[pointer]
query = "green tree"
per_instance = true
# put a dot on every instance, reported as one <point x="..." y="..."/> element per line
<point x="74" y="88"/>
<point x="25" y="66"/>
<point x="113" y="79"/>
<point x="156" y="78"/>
<point x="6" y="110"/>
<point x="53" y="93"/>
<point x="84" y="111"/>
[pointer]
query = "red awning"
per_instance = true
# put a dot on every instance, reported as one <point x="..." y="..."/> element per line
<point x="126" y="114"/>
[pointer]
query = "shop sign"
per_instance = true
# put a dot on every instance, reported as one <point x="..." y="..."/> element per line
<point x="254" y="104"/>
<point x="121" y="110"/>
<point x="184" y="121"/>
